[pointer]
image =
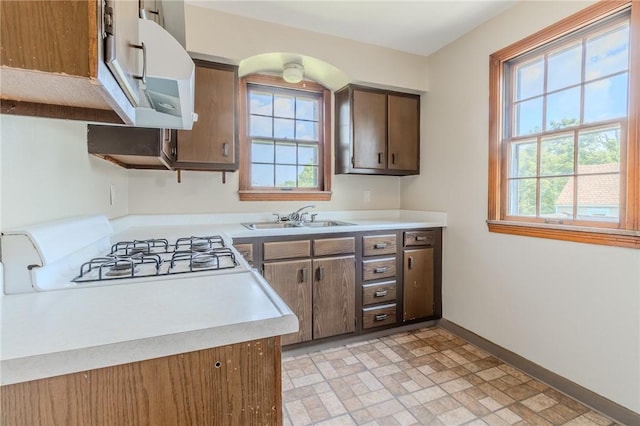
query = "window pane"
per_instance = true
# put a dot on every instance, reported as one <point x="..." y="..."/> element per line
<point x="522" y="197"/>
<point x="261" y="174"/>
<point x="556" y="197"/>
<point x="608" y="53"/>
<point x="523" y="159"/>
<point x="307" y="130"/>
<point x="308" y="154"/>
<point x="260" y="103"/>
<point x="260" y="126"/>
<point x="606" y="99"/>
<point x="283" y="128"/>
<point x="284" y="106"/>
<point x="307" y="109"/>
<point x="556" y="155"/>
<point x="286" y="153"/>
<point x="529" y="79"/>
<point x="565" y="68"/>
<point x="563" y="109"/>
<point x="307" y="176"/>
<point x="286" y="176"/>
<point x="261" y="152"/>
<point x="599" y="197"/>
<point x="528" y="117"/>
<point x="599" y="147"/>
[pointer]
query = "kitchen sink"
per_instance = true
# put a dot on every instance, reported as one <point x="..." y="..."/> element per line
<point x="279" y="225"/>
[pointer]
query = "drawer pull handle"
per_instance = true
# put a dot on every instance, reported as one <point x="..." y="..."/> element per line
<point x="303" y="275"/>
<point x="380" y="246"/>
<point x="225" y="149"/>
<point x="421" y="238"/>
<point x="380" y="293"/>
<point x="380" y="270"/>
<point x="381" y="317"/>
<point x="410" y="265"/>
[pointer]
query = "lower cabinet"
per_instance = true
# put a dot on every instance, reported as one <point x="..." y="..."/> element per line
<point x="238" y="384"/>
<point x="418" y="280"/>
<point x="292" y="281"/>
<point x="319" y="290"/>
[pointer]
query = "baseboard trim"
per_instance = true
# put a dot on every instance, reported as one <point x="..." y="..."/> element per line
<point x="597" y="402"/>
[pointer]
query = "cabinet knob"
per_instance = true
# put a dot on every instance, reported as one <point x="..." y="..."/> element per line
<point x="380" y="270"/>
<point x="380" y="293"/>
<point x="225" y="149"/>
<point x="410" y="262"/>
<point x="393" y="158"/>
<point x="303" y="275"/>
<point x="380" y="245"/>
<point x="381" y="317"/>
<point x="320" y="273"/>
<point x="379" y="158"/>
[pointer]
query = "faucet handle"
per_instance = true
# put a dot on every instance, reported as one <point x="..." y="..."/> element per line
<point x="301" y="216"/>
<point x="313" y="217"/>
<point x="277" y="215"/>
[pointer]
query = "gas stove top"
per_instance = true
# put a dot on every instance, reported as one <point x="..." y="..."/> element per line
<point x="82" y="251"/>
<point x="159" y="257"/>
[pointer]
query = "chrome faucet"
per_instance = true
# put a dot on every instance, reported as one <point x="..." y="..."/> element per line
<point x="297" y="216"/>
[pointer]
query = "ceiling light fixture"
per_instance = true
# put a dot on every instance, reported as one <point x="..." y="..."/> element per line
<point x="292" y="72"/>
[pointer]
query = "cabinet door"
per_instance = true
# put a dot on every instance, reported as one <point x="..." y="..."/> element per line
<point x="292" y="281"/>
<point x="369" y="130"/>
<point x="211" y="144"/>
<point x="418" y="284"/>
<point x="404" y="133"/>
<point x="334" y="296"/>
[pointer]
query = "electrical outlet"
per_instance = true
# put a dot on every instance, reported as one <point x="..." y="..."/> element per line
<point x="367" y="196"/>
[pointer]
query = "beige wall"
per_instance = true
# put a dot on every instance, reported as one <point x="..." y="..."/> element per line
<point x="571" y="308"/>
<point x="46" y="173"/>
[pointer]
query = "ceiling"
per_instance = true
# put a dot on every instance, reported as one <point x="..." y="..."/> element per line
<point x="420" y="26"/>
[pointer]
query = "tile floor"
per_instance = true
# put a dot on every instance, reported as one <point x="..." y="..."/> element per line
<point x="422" y="377"/>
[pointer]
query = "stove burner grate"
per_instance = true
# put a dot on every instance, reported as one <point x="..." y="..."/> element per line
<point x="128" y="248"/>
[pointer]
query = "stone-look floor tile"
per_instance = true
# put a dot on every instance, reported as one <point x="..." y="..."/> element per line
<point x="344" y="420"/>
<point x="558" y="414"/>
<point x="539" y="402"/>
<point x="405" y="418"/>
<point x="442" y="405"/>
<point x="422" y="377"/>
<point x="455" y="386"/>
<point x="456" y="417"/>
<point x="521" y="392"/>
<point x="429" y="394"/>
<point x="597" y="418"/>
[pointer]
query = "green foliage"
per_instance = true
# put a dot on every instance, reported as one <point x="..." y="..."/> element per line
<point x="557" y="158"/>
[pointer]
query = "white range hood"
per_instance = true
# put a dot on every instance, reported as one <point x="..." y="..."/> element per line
<point x="167" y="95"/>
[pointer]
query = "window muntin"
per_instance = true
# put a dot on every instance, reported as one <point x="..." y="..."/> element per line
<point x="580" y="82"/>
<point x="516" y="130"/>
<point x="284" y="135"/>
<point x="285" y="151"/>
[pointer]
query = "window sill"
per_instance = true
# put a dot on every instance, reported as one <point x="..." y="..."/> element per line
<point x="607" y="237"/>
<point x="285" y="195"/>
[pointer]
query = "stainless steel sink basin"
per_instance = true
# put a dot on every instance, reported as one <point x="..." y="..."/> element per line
<point x="323" y="223"/>
<point x="279" y="225"/>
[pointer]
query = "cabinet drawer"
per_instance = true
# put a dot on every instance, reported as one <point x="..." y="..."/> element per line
<point x="246" y="250"/>
<point x="378" y="316"/>
<point x="378" y="268"/>
<point x="373" y="245"/>
<point x="378" y="293"/>
<point x="287" y="249"/>
<point x="327" y="246"/>
<point x="419" y="238"/>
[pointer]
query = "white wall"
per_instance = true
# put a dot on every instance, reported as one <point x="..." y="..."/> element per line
<point x="572" y="308"/>
<point x="233" y="38"/>
<point x="47" y="174"/>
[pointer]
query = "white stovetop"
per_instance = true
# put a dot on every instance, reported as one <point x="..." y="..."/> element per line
<point x="57" y="332"/>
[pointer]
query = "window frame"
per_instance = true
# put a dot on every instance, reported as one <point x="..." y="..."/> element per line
<point x="245" y="191"/>
<point x="627" y="233"/>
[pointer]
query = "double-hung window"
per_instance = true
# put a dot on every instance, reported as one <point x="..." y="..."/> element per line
<point x="284" y="142"/>
<point x="564" y="148"/>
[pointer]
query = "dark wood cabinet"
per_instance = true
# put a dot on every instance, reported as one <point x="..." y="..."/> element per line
<point x="334" y="286"/>
<point x="377" y="132"/>
<point x="420" y="275"/>
<point x="212" y="143"/>
<point x="238" y="384"/>
<point x="57" y="70"/>
<point x="132" y="147"/>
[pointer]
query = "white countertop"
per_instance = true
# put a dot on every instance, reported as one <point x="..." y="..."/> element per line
<point x="58" y="332"/>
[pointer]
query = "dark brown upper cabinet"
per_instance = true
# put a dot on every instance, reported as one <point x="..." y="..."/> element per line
<point x="377" y="132"/>
<point x="212" y="144"/>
